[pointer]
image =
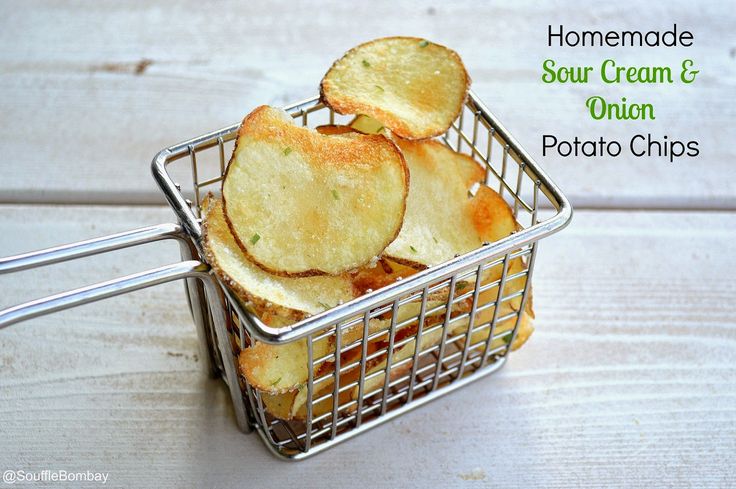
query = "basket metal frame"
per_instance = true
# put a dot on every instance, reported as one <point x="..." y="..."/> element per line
<point x="432" y="369"/>
<point x="319" y="434"/>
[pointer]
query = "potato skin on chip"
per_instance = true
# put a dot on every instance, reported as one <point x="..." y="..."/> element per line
<point x="415" y="87"/>
<point x="300" y="203"/>
<point x="291" y="299"/>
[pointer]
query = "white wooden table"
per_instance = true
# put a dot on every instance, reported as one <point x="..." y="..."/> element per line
<point x="629" y="380"/>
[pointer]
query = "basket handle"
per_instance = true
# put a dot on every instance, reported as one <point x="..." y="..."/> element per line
<point x="84" y="295"/>
<point x="209" y="355"/>
<point x="80" y="249"/>
<point x="188" y="269"/>
<point x="102" y="290"/>
<point x="95" y="246"/>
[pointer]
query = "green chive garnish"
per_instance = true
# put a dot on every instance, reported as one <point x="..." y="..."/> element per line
<point x="254" y="239"/>
<point x="324" y="305"/>
<point x="379" y="87"/>
<point x="435" y="240"/>
<point x="335" y="195"/>
<point x="366" y="64"/>
<point x="287" y="151"/>
<point x="276" y="381"/>
<point x="507" y="339"/>
<point x="461" y="285"/>
<point x="414" y="250"/>
<point x="423" y="43"/>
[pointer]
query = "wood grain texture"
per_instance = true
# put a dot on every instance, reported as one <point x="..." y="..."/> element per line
<point x="89" y="92"/>
<point x="629" y="380"/>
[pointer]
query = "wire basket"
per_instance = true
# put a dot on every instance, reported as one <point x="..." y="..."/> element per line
<point x="390" y="350"/>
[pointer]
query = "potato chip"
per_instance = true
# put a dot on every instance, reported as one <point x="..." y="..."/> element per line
<point x="300" y="203"/>
<point x="414" y="87"/>
<point x="443" y="217"/>
<point x="271" y="295"/>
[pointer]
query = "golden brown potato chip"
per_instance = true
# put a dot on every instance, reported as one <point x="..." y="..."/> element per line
<point x="443" y="219"/>
<point x="430" y="338"/>
<point x="300" y="203"/>
<point x="293" y="404"/>
<point x="280" y="368"/>
<point x="526" y="328"/>
<point x="279" y="405"/>
<point x="446" y="203"/>
<point x="484" y="315"/>
<point x="271" y="295"/>
<point x="416" y="88"/>
<point x="376" y="375"/>
<point x="510" y="288"/>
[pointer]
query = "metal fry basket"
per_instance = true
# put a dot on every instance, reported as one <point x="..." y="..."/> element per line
<point x="369" y="374"/>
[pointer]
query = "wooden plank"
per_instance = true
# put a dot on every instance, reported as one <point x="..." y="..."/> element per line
<point x="629" y="380"/>
<point x="89" y="92"/>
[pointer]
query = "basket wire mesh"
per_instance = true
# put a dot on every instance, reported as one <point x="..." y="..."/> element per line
<point x="370" y="378"/>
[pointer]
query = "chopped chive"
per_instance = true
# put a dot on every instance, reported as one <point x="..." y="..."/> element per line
<point x="379" y="87"/>
<point x="435" y="240"/>
<point x="287" y="151"/>
<point x="254" y="239"/>
<point x="276" y="381"/>
<point x="324" y="305"/>
<point x="366" y="64"/>
<point x="507" y="339"/>
<point x="414" y="250"/>
<point x="423" y="43"/>
<point x="335" y="194"/>
<point x="380" y="129"/>
<point x="461" y="285"/>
